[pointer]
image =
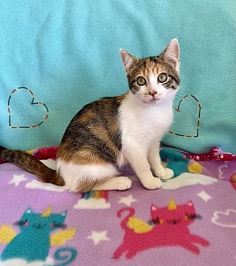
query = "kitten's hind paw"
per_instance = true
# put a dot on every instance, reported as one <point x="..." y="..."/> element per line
<point x="123" y="183"/>
<point x="115" y="183"/>
<point x="153" y="183"/>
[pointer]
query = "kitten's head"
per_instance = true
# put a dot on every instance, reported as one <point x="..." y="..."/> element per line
<point x="154" y="79"/>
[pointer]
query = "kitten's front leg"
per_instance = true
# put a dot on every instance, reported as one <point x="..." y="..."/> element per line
<point x="138" y="160"/>
<point x="155" y="162"/>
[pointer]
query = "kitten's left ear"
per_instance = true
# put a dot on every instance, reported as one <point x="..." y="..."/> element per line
<point x="128" y="59"/>
<point x="171" y="54"/>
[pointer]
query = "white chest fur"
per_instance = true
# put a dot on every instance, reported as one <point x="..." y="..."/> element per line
<point x="144" y="122"/>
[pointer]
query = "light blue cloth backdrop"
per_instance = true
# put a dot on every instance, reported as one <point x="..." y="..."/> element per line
<point x="66" y="53"/>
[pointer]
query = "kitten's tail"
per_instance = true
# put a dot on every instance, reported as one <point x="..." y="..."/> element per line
<point x="30" y="164"/>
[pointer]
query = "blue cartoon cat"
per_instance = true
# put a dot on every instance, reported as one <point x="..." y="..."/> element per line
<point x="37" y="235"/>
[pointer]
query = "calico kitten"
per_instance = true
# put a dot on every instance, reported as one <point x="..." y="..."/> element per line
<point x="110" y="132"/>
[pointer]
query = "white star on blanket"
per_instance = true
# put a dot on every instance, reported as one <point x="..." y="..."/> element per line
<point x="17" y="179"/>
<point x="97" y="237"/>
<point x="203" y="195"/>
<point x="127" y="200"/>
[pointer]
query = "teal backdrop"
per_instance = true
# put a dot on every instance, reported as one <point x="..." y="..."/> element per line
<point x="58" y="55"/>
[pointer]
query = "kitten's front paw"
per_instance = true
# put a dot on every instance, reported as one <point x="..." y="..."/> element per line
<point x="153" y="183"/>
<point x="167" y="174"/>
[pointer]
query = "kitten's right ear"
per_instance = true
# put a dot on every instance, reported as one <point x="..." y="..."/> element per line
<point x="127" y="58"/>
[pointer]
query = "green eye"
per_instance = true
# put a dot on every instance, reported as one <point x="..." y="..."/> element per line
<point x="141" y="81"/>
<point x="162" y="78"/>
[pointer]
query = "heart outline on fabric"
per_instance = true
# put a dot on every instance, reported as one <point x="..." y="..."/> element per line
<point x="32" y="103"/>
<point x="198" y="119"/>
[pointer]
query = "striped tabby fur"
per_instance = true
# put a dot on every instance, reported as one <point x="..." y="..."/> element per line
<point x="110" y="132"/>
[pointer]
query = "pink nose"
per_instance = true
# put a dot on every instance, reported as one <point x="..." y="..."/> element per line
<point x="152" y="93"/>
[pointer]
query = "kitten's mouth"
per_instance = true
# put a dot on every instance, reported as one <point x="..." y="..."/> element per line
<point x="154" y="100"/>
<point x="151" y="99"/>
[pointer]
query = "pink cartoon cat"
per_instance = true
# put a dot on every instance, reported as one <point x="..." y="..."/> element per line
<point x="168" y="227"/>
